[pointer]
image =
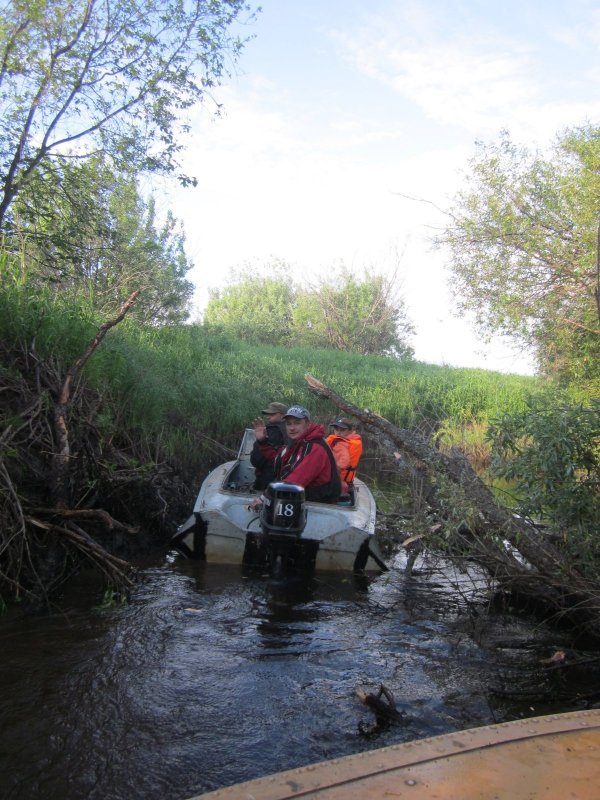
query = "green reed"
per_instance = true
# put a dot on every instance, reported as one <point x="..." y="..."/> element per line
<point x="191" y="392"/>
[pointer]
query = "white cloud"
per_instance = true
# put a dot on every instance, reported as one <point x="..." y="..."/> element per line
<point x="470" y="85"/>
<point x="477" y="78"/>
<point x="583" y="29"/>
<point x="316" y="166"/>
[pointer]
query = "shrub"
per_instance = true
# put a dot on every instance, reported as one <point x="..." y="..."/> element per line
<point x="551" y="451"/>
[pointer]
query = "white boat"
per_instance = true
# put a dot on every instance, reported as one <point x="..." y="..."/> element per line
<point x="223" y="530"/>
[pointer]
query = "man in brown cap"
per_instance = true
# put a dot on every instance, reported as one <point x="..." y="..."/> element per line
<point x="273" y="433"/>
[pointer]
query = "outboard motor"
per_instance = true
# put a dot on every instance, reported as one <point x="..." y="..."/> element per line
<point x="283" y="519"/>
<point x="283" y="515"/>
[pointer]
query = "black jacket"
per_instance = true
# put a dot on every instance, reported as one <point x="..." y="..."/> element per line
<point x="276" y="437"/>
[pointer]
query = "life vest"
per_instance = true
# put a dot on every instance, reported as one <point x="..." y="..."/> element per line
<point x="355" y="447"/>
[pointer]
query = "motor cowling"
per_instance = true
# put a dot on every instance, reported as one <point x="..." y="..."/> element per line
<point x="283" y="512"/>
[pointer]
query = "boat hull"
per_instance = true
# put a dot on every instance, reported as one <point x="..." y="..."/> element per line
<point x="531" y="759"/>
<point x="222" y="528"/>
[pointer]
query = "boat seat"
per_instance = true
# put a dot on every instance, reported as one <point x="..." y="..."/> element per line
<point x="241" y="478"/>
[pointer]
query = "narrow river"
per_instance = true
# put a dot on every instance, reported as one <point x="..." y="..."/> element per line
<point x="211" y="676"/>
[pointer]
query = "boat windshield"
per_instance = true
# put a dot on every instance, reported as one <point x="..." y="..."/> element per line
<point x="240" y="478"/>
<point x="247" y="444"/>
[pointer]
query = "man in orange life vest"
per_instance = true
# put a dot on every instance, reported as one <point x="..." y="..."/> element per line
<point x="347" y="448"/>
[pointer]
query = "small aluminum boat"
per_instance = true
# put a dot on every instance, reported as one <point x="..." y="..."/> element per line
<point x="223" y="530"/>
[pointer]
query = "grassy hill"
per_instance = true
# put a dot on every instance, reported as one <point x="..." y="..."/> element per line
<point x="186" y="393"/>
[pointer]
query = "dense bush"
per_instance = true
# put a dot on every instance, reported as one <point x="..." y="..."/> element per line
<point x="551" y="452"/>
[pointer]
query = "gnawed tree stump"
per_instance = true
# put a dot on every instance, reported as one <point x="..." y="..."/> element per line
<point x="520" y="558"/>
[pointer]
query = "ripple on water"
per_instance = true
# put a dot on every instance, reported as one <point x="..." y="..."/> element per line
<point x="211" y="676"/>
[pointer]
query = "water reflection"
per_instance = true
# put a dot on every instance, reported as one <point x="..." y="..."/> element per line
<point x="213" y="675"/>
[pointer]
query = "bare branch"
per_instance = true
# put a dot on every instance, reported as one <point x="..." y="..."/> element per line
<point x="62" y="456"/>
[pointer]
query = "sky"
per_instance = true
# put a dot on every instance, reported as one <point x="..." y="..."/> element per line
<point x="347" y="129"/>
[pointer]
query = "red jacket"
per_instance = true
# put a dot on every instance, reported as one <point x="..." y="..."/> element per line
<point x="308" y="464"/>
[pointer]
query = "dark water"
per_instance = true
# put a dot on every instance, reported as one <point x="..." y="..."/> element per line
<point x="210" y="676"/>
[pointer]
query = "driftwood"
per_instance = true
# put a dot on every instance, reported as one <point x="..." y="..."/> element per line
<point x="384" y="707"/>
<point x="41" y="535"/>
<point x="116" y="571"/>
<point x="521" y="559"/>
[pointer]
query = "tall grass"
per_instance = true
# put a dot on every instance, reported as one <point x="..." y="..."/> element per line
<point x="192" y="393"/>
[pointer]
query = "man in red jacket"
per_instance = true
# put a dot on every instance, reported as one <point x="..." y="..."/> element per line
<point x="306" y="461"/>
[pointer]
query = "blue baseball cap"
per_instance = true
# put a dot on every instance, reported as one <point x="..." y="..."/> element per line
<point x="297" y="411"/>
<point x="341" y="422"/>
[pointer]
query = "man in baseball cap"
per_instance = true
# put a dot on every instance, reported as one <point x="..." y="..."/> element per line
<point x="274" y="434"/>
<point x="347" y="447"/>
<point x="307" y="461"/>
<point x="298" y="412"/>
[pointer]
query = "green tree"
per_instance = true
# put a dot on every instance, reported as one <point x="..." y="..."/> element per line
<point x="88" y="230"/>
<point x="254" y="308"/>
<point x="343" y="313"/>
<point x="115" y="76"/>
<point x="551" y="453"/>
<point x="360" y="315"/>
<point x="523" y="249"/>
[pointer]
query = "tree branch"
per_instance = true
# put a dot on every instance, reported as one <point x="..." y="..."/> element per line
<point x="62" y="456"/>
<point x="543" y="573"/>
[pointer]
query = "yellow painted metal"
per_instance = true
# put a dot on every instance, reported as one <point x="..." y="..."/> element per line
<point x="541" y="758"/>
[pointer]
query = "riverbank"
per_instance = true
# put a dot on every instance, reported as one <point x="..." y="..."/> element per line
<point x="108" y="425"/>
<point x="118" y="503"/>
<point x="120" y="494"/>
<point x="104" y="446"/>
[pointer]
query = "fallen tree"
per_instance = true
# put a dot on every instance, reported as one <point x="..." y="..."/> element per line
<point x="523" y="560"/>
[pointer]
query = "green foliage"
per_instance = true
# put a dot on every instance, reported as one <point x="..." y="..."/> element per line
<point x="112" y="599"/>
<point x="48" y="322"/>
<point x="364" y="316"/>
<point x="523" y="248"/>
<point x="189" y="390"/>
<point x="551" y="451"/>
<point x="254" y="308"/>
<point x="111" y="77"/>
<point x="86" y="229"/>
<point x="344" y="313"/>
